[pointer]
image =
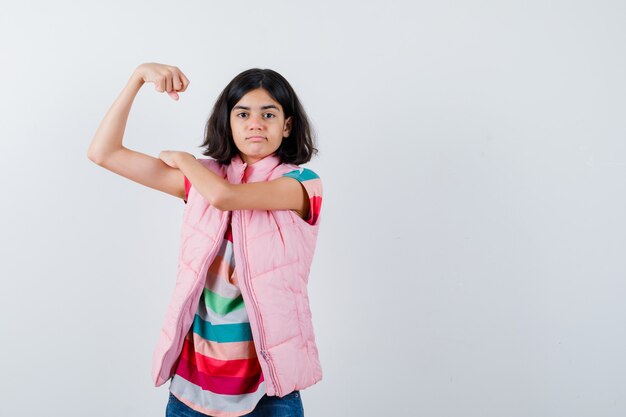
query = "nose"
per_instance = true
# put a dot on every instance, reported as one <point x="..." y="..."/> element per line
<point x="255" y="122"/>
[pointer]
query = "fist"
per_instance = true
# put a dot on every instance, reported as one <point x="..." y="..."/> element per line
<point x="165" y="78"/>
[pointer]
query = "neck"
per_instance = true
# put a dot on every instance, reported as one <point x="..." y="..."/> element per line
<point x="249" y="160"/>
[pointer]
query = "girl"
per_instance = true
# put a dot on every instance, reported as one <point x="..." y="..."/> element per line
<point x="237" y="338"/>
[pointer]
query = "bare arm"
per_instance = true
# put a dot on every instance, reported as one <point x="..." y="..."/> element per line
<point x="106" y="148"/>
<point x="279" y="194"/>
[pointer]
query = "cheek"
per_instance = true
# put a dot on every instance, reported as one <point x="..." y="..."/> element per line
<point x="238" y="137"/>
<point x="235" y="128"/>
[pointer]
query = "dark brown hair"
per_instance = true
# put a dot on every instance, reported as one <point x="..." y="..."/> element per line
<point x="296" y="149"/>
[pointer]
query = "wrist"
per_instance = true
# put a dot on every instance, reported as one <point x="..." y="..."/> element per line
<point x="136" y="79"/>
<point x="183" y="157"/>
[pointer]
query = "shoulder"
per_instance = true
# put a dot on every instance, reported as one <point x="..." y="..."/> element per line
<point x="312" y="184"/>
<point x="306" y="176"/>
<point x="301" y="174"/>
<point x="297" y="172"/>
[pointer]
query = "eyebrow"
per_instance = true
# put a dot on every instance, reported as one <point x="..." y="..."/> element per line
<point x="267" y="106"/>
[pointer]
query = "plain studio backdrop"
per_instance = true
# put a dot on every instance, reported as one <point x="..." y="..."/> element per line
<point x="470" y="260"/>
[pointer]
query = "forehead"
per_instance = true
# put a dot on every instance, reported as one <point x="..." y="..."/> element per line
<point x="257" y="99"/>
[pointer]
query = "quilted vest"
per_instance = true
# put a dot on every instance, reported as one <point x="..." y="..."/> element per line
<point x="273" y="252"/>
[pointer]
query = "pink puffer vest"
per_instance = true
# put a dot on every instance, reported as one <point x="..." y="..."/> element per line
<point x="273" y="254"/>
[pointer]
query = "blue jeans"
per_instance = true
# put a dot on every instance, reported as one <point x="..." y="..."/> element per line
<point x="288" y="406"/>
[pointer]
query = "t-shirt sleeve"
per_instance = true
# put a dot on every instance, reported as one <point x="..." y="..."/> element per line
<point x="313" y="186"/>
<point x="187" y="187"/>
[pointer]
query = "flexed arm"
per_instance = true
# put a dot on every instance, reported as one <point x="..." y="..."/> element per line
<point x="106" y="148"/>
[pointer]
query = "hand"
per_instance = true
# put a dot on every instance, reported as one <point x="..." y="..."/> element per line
<point x="166" y="78"/>
<point x="172" y="158"/>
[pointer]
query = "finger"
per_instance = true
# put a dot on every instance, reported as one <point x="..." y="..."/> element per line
<point x="168" y="82"/>
<point x="185" y="81"/>
<point x="158" y="84"/>
<point x="174" y="95"/>
<point x="176" y="82"/>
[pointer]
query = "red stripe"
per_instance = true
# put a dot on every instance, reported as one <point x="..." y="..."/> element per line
<point x="229" y="233"/>
<point x="218" y="384"/>
<point x="240" y="368"/>
<point x="187" y="187"/>
<point x="314" y="209"/>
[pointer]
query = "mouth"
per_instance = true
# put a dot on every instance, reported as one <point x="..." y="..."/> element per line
<point x="255" y="138"/>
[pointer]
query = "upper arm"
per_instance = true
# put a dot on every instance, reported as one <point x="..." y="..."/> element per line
<point x="146" y="170"/>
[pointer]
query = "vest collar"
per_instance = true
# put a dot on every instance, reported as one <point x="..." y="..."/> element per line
<point x="239" y="172"/>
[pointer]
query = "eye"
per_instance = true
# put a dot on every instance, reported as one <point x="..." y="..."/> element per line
<point x="270" y="115"/>
<point x="239" y="114"/>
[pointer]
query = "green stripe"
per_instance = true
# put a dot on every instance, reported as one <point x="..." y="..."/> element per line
<point x="222" y="333"/>
<point x="221" y="305"/>
<point x="306" y="174"/>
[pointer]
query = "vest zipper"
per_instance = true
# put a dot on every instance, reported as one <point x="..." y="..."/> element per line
<point x="248" y="285"/>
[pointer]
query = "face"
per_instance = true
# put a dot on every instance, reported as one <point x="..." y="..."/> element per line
<point x="258" y="125"/>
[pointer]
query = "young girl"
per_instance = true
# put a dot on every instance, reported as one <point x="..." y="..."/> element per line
<point x="237" y="338"/>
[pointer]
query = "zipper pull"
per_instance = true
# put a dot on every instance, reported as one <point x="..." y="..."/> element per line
<point x="267" y="359"/>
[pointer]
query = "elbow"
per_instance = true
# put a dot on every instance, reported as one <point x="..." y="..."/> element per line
<point x="221" y="199"/>
<point x="94" y="157"/>
<point x="99" y="156"/>
<point x="219" y="207"/>
<point x="96" y="154"/>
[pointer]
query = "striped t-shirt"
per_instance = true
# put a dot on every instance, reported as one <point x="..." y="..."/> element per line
<point x="218" y="372"/>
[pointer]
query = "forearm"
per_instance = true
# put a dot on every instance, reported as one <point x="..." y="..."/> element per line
<point x="109" y="135"/>
<point x="210" y="185"/>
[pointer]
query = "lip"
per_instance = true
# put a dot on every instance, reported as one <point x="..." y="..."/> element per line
<point x="256" y="138"/>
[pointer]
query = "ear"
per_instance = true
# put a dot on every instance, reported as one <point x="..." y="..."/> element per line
<point x="287" y="128"/>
